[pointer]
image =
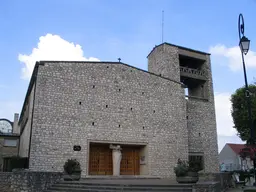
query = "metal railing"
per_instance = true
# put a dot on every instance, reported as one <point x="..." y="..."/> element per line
<point x="192" y="71"/>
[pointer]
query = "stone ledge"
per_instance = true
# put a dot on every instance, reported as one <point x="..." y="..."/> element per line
<point x="28" y="181"/>
<point x="207" y="186"/>
<point x="5" y="181"/>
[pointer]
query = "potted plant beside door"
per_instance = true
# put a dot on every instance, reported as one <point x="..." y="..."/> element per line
<point x="181" y="171"/>
<point x="193" y="169"/>
<point x="72" y="170"/>
<point x="184" y="173"/>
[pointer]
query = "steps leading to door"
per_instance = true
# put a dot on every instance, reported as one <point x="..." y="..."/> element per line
<point x="134" y="185"/>
<point x="121" y="177"/>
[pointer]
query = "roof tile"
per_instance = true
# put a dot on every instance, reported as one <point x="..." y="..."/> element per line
<point x="236" y="147"/>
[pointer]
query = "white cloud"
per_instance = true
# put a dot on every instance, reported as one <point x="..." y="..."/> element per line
<point x="52" y="47"/>
<point x="233" y="56"/>
<point x="223" y="114"/>
<point x="225" y="130"/>
<point x="230" y="56"/>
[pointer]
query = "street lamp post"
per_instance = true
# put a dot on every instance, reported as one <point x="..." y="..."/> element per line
<point x="244" y="44"/>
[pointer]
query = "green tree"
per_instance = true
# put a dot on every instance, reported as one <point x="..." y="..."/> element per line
<point x="240" y="111"/>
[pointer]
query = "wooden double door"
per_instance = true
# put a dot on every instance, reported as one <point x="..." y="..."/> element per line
<point x="130" y="163"/>
<point x="101" y="163"/>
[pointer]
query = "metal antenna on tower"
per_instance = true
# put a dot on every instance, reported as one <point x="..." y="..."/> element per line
<point x="162" y="26"/>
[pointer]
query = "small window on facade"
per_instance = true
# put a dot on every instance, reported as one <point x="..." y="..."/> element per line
<point x="198" y="159"/>
<point x="10" y="142"/>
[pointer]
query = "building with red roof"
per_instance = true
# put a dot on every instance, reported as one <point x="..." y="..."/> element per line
<point x="230" y="156"/>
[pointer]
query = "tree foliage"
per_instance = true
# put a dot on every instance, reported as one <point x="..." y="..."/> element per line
<point x="240" y="111"/>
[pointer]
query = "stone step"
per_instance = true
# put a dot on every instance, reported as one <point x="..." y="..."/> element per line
<point x="133" y="185"/>
<point x="120" y="177"/>
<point x="104" y="190"/>
<point x="57" y="189"/>
<point x="120" y="187"/>
<point x="87" y="183"/>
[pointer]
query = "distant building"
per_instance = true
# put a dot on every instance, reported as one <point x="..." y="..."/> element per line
<point x="230" y="156"/>
<point x="9" y="139"/>
<point x="84" y="110"/>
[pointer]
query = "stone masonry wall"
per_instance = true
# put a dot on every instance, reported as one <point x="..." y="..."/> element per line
<point x="5" y="181"/>
<point x="25" y="136"/>
<point x="224" y="179"/>
<point x="201" y="123"/>
<point x="80" y="102"/>
<point x="164" y="61"/>
<point x="28" y="181"/>
<point x="202" y="126"/>
<point x="211" y="186"/>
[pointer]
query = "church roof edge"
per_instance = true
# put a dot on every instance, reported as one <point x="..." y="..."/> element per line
<point x="180" y="47"/>
<point x="110" y="62"/>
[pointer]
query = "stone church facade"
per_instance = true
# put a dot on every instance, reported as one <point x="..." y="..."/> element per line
<point x="91" y="106"/>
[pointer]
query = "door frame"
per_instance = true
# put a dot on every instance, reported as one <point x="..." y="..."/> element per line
<point x="91" y="141"/>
